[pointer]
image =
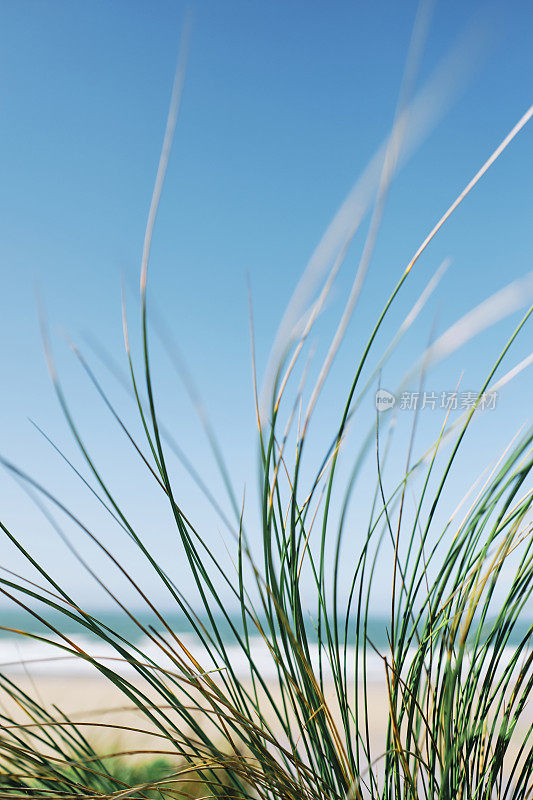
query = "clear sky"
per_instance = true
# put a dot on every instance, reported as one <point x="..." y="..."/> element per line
<point x="284" y="104"/>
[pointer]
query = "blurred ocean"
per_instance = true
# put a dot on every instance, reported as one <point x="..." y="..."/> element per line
<point x="43" y="651"/>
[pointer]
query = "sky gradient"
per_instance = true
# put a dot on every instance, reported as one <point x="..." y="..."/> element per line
<point x="283" y="106"/>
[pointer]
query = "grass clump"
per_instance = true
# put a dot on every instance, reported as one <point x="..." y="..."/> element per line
<point x="457" y="667"/>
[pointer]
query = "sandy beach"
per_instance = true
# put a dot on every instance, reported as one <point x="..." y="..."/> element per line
<point x="112" y="723"/>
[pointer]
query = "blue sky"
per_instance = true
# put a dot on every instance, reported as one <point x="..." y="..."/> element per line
<point x="284" y="104"/>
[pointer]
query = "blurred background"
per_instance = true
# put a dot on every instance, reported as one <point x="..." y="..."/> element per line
<point x="283" y="106"/>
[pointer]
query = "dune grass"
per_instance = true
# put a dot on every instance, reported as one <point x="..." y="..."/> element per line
<point x="458" y="667"/>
